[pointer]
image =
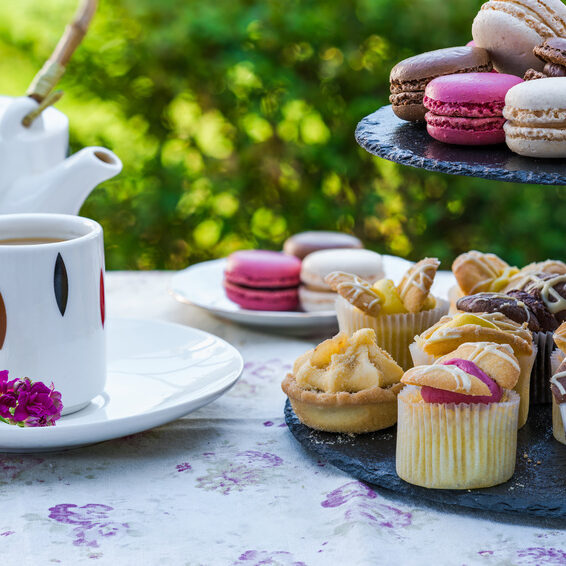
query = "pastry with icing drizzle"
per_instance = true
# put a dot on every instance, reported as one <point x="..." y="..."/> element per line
<point x="478" y="272"/>
<point x="519" y="306"/>
<point x="415" y="286"/>
<point x="550" y="288"/>
<point x="457" y="425"/>
<point x="450" y="332"/>
<point x="346" y="384"/>
<point x="395" y="312"/>
<point x="355" y="290"/>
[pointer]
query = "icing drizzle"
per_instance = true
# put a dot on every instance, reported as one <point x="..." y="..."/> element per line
<point x="553" y="300"/>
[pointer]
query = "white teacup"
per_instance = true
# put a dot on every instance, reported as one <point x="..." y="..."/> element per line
<point x="52" y="309"/>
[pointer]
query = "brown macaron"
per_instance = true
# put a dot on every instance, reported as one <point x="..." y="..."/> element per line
<point x="305" y="243"/>
<point x="553" y="53"/>
<point x="409" y="77"/>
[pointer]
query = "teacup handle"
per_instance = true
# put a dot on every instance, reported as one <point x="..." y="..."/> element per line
<point x="11" y="122"/>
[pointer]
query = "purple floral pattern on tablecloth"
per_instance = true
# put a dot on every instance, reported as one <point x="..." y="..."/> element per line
<point x="264" y="558"/>
<point x="260" y="374"/>
<point x="246" y="469"/>
<point x="541" y="557"/>
<point x="531" y="556"/>
<point x="229" y="485"/>
<point x="183" y="467"/>
<point x="12" y="468"/>
<point x="93" y="522"/>
<point x="363" y="504"/>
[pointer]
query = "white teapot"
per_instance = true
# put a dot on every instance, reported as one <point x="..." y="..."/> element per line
<point x="35" y="173"/>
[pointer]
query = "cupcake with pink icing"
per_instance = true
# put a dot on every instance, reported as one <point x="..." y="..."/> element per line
<point x="457" y="419"/>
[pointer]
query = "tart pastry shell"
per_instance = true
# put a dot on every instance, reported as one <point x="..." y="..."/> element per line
<point x="351" y="413"/>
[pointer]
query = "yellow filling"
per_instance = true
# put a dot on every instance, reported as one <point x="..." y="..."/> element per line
<point x="467" y="318"/>
<point x="501" y="282"/>
<point x="391" y="301"/>
<point x="347" y="363"/>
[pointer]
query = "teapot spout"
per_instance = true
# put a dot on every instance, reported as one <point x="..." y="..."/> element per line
<point x="64" y="188"/>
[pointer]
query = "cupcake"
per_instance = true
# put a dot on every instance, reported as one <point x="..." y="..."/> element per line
<point x="457" y="426"/>
<point x="452" y="331"/>
<point x="346" y="384"/>
<point x="395" y="313"/>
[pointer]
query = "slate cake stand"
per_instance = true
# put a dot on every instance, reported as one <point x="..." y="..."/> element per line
<point x="538" y="486"/>
<point x="385" y="135"/>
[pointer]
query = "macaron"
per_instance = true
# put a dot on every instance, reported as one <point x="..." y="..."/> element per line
<point x="536" y="118"/>
<point x="314" y="293"/>
<point x="467" y="108"/>
<point x="304" y="243"/>
<point x="553" y="54"/>
<point x="408" y="79"/>
<point x="510" y="29"/>
<point x="263" y="280"/>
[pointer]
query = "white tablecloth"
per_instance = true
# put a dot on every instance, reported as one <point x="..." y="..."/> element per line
<point x="229" y="485"/>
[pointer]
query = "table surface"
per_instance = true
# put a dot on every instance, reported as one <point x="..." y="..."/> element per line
<point x="229" y="485"/>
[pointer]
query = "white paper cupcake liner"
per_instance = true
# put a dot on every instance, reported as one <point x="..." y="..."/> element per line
<point x="449" y="446"/>
<point x="394" y="332"/>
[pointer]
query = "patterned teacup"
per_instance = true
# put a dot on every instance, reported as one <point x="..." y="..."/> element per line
<point x="52" y="303"/>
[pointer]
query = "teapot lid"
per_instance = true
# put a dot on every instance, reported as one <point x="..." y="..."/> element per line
<point x="12" y="111"/>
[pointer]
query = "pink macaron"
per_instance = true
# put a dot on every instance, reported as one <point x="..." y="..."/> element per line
<point x="263" y="280"/>
<point x="467" y="108"/>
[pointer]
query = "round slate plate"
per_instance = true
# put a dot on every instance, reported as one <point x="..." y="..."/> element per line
<point x="385" y="135"/>
<point x="535" y="489"/>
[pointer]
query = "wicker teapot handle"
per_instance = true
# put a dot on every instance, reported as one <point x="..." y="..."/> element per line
<point x="41" y="88"/>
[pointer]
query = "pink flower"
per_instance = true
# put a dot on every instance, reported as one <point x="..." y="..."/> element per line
<point x="28" y="403"/>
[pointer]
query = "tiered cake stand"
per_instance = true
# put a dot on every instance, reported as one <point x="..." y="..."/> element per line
<point x="538" y="487"/>
<point x="385" y="135"/>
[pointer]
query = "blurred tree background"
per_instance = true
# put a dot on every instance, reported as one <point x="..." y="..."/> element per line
<point x="235" y="122"/>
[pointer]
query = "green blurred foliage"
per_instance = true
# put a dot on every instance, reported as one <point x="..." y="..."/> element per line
<point x="235" y="121"/>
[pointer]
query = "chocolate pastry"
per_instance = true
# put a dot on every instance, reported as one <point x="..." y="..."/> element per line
<point x="513" y="307"/>
<point x="551" y="289"/>
<point x="544" y="317"/>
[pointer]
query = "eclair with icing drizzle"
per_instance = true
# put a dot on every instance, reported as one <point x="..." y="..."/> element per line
<point x="416" y="283"/>
<point x="355" y="290"/>
<point x="444" y="337"/>
<point x="475" y="271"/>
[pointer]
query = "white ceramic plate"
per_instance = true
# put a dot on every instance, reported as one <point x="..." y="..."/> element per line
<point x="201" y="285"/>
<point x="157" y="372"/>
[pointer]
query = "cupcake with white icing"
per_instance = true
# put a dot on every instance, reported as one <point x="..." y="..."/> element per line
<point x="395" y="312"/>
<point x="457" y="420"/>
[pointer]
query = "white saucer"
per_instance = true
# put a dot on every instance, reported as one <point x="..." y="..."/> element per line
<point x="201" y="285"/>
<point x="157" y="372"/>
